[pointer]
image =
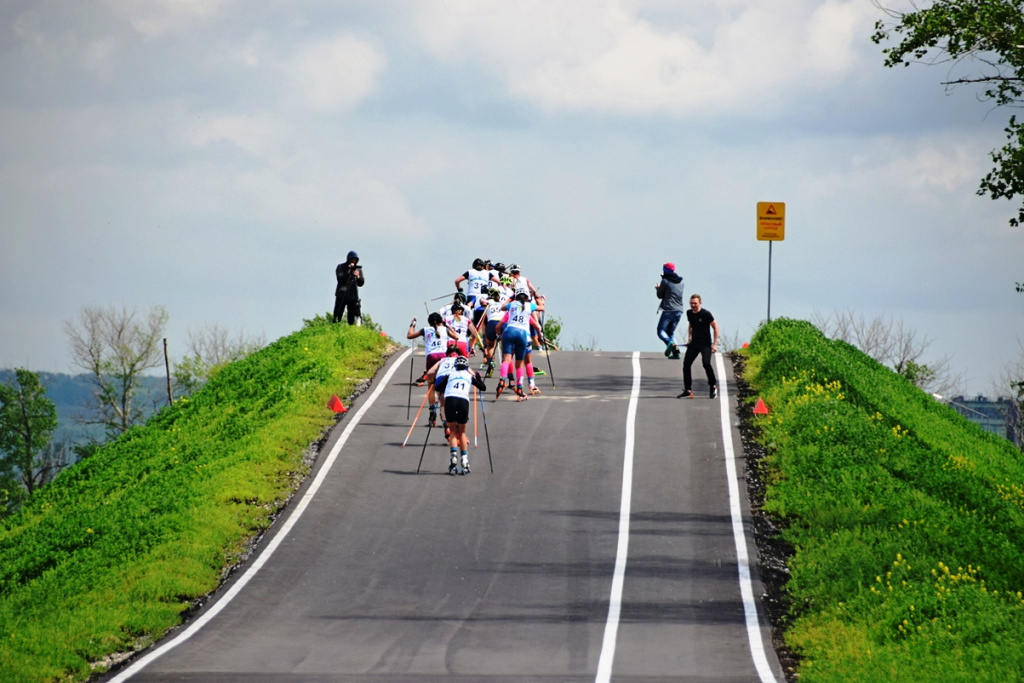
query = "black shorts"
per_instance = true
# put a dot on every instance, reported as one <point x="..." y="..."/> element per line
<point x="456" y="410"/>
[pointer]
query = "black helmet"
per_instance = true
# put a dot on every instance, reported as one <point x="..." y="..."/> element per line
<point x="478" y="263"/>
<point x="500" y="267"/>
<point x="462" y="363"/>
<point x="434" y="319"/>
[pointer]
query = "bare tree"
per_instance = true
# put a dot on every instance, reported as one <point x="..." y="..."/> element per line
<point x="209" y="350"/>
<point x="1011" y="381"/>
<point x="892" y="343"/>
<point x="115" y="346"/>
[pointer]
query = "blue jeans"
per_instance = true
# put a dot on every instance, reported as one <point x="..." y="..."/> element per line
<point x="667" y="326"/>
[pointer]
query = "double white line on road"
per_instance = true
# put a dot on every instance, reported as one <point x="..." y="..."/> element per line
<point x="604" y="665"/>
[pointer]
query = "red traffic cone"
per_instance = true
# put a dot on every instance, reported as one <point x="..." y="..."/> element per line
<point x="760" y="408"/>
<point x="336" y="405"/>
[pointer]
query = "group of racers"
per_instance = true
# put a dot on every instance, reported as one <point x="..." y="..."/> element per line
<point x="499" y="312"/>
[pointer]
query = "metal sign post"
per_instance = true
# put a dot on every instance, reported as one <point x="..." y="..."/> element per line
<point x="771" y="227"/>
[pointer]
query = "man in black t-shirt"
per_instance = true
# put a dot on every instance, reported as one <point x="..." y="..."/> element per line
<point x="699" y="342"/>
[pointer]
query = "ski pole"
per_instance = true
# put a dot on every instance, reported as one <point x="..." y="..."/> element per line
<point x="547" y="354"/>
<point x="413" y="425"/>
<point x="486" y="435"/>
<point x="412" y="362"/>
<point x="443" y="296"/>
<point x="475" y="395"/>
<point x="429" y="427"/>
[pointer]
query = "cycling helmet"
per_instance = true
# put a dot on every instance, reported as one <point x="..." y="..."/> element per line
<point x="478" y="263"/>
<point x="506" y="280"/>
<point x="494" y="293"/>
<point x="500" y="267"/>
<point x="522" y="294"/>
<point x="513" y="268"/>
<point x="462" y="363"/>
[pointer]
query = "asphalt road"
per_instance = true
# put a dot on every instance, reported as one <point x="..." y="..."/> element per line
<point x="389" y="575"/>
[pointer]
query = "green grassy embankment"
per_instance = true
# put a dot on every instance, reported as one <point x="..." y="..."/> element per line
<point x="907" y="521"/>
<point x="108" y="557"/>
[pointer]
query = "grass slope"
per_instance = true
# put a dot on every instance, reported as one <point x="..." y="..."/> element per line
<point x="108" y="557"/>
<point x="907" y="520"/>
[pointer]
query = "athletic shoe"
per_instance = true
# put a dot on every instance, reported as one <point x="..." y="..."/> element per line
<point x="668" y="350"/>
<point x="453" y="467"/>
<point x="520" y="396"/>
<point x="465" y="465"/>
<point x="714" y="392"/>
<point x="686" y="394"/>
<point x="433" y="416"/>
<point x="675" y="356"/>
<point x="420" y="382"/>
<point x="501" y="388"/>
<point x="534" y="389"/>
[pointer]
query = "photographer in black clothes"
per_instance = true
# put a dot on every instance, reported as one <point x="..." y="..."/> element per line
<point x="350" y="279"/>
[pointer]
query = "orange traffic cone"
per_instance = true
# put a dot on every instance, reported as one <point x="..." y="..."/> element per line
<point x="336" y="405"/>
<point x="760" y="408"/>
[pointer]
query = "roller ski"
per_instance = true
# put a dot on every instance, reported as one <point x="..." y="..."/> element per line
<point x="501" y="388"/>
<point x="465" y="465"/>
<point x="520" y="396"/>
<point x="534" y="390"/>
<point x="453" y="466"/>
<point x="432" y="418"/>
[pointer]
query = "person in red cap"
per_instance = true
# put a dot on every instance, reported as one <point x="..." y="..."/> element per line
<point x="670" y="291"/>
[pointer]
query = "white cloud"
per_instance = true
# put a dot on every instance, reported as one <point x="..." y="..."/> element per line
<point x="155" y="18"/>
<point x="338" y="74"/>
<point x="253" y="134"/>
<point x="608" y="57"/>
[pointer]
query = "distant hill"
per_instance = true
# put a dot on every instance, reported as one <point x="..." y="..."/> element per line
<point x="71" y="394"/>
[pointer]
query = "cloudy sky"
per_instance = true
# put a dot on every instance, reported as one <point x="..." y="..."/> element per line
<point x="219" y="158"/>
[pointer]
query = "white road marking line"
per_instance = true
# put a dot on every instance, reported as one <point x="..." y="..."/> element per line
<point x="277" y="540"/>
<point x="604" y="665"/>
<point x="757" y="651"/>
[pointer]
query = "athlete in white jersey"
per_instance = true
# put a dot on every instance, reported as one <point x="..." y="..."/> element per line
<point x="435" y="339"/>
<point x="515" y="339"/>
<point x="494" y="311"/>
<point x="477" y="278"/>
<point x="463" y="328"/>
<point x="456" y="386"/>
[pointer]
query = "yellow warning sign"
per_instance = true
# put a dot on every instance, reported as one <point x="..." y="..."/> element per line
<point x="771" y="221"/>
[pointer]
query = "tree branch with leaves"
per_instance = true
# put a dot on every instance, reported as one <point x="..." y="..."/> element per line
<point x="982" y="42"/>
<point x="27" y="421"/>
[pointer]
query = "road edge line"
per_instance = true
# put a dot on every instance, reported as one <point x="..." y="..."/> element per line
<point x="604" y="665"/>
<point x="757" y="649"/>
<point x="293" y="518"/>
